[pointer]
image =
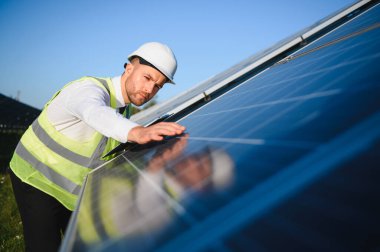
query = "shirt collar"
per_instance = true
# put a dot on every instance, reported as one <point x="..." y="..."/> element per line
<point x="116" y="82"/>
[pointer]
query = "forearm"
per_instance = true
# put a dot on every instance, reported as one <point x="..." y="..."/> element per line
<point x="109" y="122"/>
<point x="90" y="104"/>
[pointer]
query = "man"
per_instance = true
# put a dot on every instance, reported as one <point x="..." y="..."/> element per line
<point x="81" y="123"/>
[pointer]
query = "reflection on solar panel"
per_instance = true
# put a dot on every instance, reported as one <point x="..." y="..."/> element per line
<point x="286" y="158"/>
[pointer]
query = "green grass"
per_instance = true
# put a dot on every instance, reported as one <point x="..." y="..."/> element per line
<point x="11" y="237"/>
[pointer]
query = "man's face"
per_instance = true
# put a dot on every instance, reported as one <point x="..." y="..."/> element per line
<point x="140" y="83"/>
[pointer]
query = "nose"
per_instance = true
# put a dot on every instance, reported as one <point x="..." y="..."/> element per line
<point x="149" y="87"/>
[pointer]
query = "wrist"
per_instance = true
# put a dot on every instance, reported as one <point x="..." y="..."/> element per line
<point x="133" y="133"/>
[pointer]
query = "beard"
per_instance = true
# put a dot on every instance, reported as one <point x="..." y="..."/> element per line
<point x="139" y="98"/>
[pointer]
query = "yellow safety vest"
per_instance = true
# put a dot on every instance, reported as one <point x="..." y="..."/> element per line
<point x="56" y="164"/>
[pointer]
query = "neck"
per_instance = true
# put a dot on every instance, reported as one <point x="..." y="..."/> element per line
<point x="123" y="80"/>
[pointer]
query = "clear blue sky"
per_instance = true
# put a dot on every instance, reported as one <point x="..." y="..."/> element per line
<point x="45" y="44"/>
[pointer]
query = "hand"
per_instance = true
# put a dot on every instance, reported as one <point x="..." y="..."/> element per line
<point x="155" y="132"/>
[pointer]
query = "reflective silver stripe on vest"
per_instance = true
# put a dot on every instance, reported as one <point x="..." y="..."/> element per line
<point x="49" y="142"/>
<point x="89" y="162"/>
<point x="104" y="83"/>
<point x="52" y="175"/>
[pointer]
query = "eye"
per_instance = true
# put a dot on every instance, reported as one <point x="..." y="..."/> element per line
<point x="157" y="86"/>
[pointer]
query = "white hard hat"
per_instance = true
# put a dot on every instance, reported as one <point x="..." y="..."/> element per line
<point x="160" y="56"/>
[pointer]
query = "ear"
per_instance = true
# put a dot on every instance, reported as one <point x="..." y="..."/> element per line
<point x="128" y="68"/>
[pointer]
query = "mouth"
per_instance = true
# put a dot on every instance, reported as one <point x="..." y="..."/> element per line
<point x="144" y="97"/>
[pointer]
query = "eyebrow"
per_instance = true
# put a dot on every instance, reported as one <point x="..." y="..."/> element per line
<point x="151" y="77"/>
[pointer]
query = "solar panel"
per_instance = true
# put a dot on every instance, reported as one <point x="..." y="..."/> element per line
<point x="288" y="158"/>
<point x="190" y="96"/>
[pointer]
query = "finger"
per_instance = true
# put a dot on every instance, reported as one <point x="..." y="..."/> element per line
<point x="167" y="129"/>
<point x="173" y="124"/>
<point x="157" y="138"/>
<point x="177" y="128"/>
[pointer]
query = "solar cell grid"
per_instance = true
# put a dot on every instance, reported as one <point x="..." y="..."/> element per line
<point x="323" y="216"/>
<point x="290" y="155"/>
<point x="361" y="22"/>
<point x="329" y="78"/>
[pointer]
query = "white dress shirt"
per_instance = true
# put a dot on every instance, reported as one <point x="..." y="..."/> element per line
<point x="81" y="108"/>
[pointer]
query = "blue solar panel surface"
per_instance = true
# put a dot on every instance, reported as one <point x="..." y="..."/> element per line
<point x="356" y="25"/>
<point x="289" y="159"/>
